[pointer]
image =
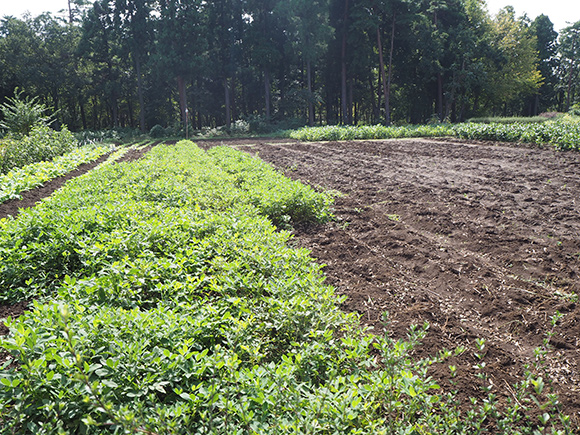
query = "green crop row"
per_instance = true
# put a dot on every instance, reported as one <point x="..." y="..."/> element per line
<point x="512" y="120"/>
<point x="563" y="134"/>
<point x="41" y="144"/>
<point x="329" y="133"/>
<point x="19" y="180"/>
<point x="53" y="240"/>
<point x="176" y="307"/>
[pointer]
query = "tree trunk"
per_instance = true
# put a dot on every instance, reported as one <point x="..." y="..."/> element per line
<point x="350" y="100"/>
<point x="131" y="115"/>
<point x="115" y="111"/>
<point x="181" y="87"/>
<point x="83" y="115"/>
<point x="70" y="14"/>
<point x="373" y="100"/>
<point x="379" y="95"/>
<point x="390" y="75"/>
<point x="310" y="103"/>
<point x="383" y="74"/>
<point x="228" y="103"/>
<point x="267" y="93"/>
<point x="140" y="95"/>
<point x="345" y="105"/>
<point x="569" y="90"/>
<point x="440" y="96"/>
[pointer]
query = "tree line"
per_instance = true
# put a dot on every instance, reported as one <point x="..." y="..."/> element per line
<point x="140" y="63"/>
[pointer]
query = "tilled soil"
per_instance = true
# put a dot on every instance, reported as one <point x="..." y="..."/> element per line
<point x="481" y="240"/>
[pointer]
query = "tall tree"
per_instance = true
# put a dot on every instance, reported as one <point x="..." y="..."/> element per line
<point x="226" y="27"/>
<point x="516" y="75"/>
<point x="181" y="43"/>
<point x="547" y="48"/>
<point x="99" y="45"/>
<point x="310" y="32"/>
<point x="570" y="58"/>
<point x="264" y="43"/>
<point x="133" y="20"/>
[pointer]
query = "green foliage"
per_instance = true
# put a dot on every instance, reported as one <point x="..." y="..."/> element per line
<point x="41" y="144"/>
<point x="35" y="174"/>
<point x="510" y="120"/>
<point x="122" y="135"/>
<point x="22" y="115"/>
<point x="157" y="131"/>
<point x="328" y="133"/>
<point x="563" y="133"/>
<point x="64" y="236"/>
<point x="574" y="110"/>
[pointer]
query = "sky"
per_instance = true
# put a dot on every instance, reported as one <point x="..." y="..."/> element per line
<point x="559" y="11"/>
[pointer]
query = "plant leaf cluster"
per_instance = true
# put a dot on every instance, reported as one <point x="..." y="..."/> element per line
<point x="19" y="180"/>
<point x="563" y="134"/>
<point x="42" y="143"/>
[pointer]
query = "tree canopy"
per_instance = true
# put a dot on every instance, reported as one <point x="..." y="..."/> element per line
<point x="119" y="63"/>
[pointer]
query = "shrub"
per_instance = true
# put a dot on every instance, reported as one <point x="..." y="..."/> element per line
<point x="21" y="115"/>
<point x="575" y="110"/>
<point x="41" y="144"/>
<point x="157" y="131"/>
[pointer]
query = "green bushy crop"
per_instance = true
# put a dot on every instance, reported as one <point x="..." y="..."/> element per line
<point x="114" y="208"/>
<point x="42" y="143"/>
<point x="511" y="120"/>
<point x="562" y="134"/>
<point x="19" y="180"/>
<point x="329" y="133"/>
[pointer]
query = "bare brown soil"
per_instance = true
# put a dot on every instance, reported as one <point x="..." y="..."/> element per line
<point x="481" y="240"/>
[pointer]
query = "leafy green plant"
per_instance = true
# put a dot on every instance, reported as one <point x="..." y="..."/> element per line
<point x="328" y="133"/>
<point x="22" y="114"/>
<point x="19" y="180"/>
<point x="41" y="144"/>
<point x="171" y="304"/>
<point x="563" y="133"/>
<point x="511" y="120"/>
<point x="157" y="131"/>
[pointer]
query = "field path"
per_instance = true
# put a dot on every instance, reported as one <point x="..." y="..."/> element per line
<point x="481" y="240"/>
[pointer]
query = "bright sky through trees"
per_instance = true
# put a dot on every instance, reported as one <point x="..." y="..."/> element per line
<point x="35" y="7"/>
<point x="559" y="11"/>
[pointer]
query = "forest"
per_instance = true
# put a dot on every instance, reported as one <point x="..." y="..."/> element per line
<point x="287" y="63"/>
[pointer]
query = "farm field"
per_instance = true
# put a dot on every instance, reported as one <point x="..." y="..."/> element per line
<point x="168" y="302"/>
<point x="478" y="239"/>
